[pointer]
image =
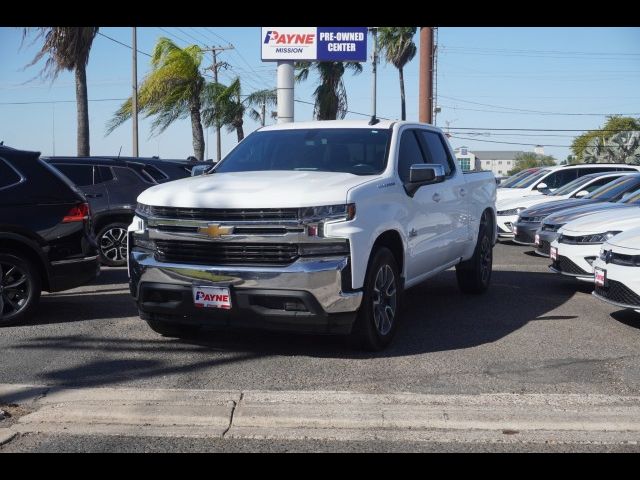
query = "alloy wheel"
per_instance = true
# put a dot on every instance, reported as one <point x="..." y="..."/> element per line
<point x="15" y="289"/>
<point x="384" y="299"/>
<point x="113" y="244"/>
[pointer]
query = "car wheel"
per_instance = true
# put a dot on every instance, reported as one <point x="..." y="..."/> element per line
<point x="381" y="303"/>
<point x="474" y="275"/>
<point x="112" y="240"/>
<point x="171" y="329"/>
<point x="20" y="287"/>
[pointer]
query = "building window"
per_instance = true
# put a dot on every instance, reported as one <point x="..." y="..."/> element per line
<point x="465" y="164"/>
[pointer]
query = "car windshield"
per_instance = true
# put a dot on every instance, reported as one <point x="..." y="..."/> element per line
<point x="572" y="186"/>
<point x="528" y="181"/>
<point x="518" y="177"/>
<point x="613" y="191"/>
<point x="359" y="151"/>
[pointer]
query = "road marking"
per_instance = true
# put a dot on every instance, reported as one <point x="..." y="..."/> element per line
<point x="332" y="415"/>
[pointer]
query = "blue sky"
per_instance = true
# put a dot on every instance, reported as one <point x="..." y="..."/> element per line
<point x="487" y="78"/>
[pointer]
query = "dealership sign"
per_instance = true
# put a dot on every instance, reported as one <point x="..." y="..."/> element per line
<point x="314" y="43"/>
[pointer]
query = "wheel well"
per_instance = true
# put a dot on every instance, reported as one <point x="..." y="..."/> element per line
<point x="30" y="253"/>
<point x="392" y="240"/>
<point x="488" y="218"/>
<point x="106" y="220"/>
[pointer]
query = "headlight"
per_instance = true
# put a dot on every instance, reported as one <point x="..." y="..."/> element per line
<point x="537" y="219"/>
<point x="327" y="212"/>
<point x="142" y="209"/>
<point x="513" y="211"/>
<point x="596" y="238"/>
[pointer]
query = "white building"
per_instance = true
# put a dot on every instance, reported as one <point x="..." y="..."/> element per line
<point x="500" y="162"/>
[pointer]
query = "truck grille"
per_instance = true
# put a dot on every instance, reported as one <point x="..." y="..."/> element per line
<point x="221" y="253"/>
<point x="228" y="215"/>
<point x="619" y="293"/>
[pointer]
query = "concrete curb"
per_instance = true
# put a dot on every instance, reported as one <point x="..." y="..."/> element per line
<point x="6" y="435"/>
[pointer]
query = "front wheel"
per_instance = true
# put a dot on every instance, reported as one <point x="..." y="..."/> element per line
<point x="378" y="315"/>
<point x="474" y="275"/>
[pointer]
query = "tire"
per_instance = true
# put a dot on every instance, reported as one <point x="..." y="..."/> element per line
<point x="170" y="329"/>
<point x="379" y="312"/>
<point x="20" y="288"/>
<point x="474" y="275"/>
<point x="112" y="243"/>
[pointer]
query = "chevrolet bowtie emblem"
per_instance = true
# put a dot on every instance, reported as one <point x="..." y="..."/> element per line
<point x="215" y="230"/>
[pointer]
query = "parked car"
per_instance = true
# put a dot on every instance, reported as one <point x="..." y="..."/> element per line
<point x="45" y="234"/>
<point x="518" y="177"/>
<point x="621" y="193"/>
<point x="312" y="226"/>
<point x="617" y="271"/>
<point x="579" y="241"/>
<point x="112" y="185"/>
<point x="550" y="179"/>
<point x="509" y="210"/>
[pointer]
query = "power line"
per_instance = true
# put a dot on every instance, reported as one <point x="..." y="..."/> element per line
<point x="518" y="143"/>
<point x="348" y="111"/>
<point x="174" y="36"/>
<point x="64" y="101"/>
<point x="198" y="41"/>
<point x="553" y="52"/>
<point x="123" y="44"/>
<point x="540" y="113"/>
<point x="544" y="129"/>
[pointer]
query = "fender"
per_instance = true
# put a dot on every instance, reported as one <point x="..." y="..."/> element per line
<point x="35" y="245"/>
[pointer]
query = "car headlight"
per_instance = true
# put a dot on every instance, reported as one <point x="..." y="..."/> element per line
<point x="327" y="212"/>
<point x="142" y="209"/>
<point x="513" y="211"/>
<point x="597" y="237"/>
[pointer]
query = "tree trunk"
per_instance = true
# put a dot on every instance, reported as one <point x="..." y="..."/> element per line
<point x="264" y="111"/>
<point x="82" y="106"/>
<point x="196" y="132"/>
<point x="403" y="109"/>
<point x="240" y="130"/>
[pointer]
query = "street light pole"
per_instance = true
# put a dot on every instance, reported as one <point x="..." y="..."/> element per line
<point x="134" y="95"/>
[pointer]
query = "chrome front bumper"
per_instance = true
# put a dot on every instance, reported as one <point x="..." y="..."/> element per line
<point x="321" y="277"/>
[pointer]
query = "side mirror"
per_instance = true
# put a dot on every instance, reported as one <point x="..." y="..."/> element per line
<point x="581" y="194"/>
<point x="423" y="174"/>
<point x="199" y="169"/>
<point x="542" y="186"/>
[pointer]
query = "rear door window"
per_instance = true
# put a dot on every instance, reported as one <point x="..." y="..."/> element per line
<point x="559" y="178"/>
<point x="409" y="154"/>
<point x="81" y="175"/>
<point x="436" y="151"/>
<point x="8" y="176"/>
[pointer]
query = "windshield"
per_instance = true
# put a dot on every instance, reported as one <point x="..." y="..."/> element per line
<point x="634" y="199"/>
<point x="573" y="185"/>
<point x="614" y="190"/>
<point x="359" y="151"/>
<point x="511" y="181"/>
<point x="528" y="181"/>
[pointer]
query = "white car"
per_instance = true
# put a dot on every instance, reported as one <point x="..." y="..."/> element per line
<point x="617" y="271"/>
<point x="508" y="209"/>
<point x="550" y="179"/>
<point x="579" y="241"/>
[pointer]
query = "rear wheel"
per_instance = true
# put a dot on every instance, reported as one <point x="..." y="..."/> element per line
<point x="20" y="288"/>
<point x="474" y="275"/>
<point x="112" y="240"/>
<point x="378" y="315"/>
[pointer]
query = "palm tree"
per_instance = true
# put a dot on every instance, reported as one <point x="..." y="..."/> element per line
<point x="330" y="95"/>
<point x="173" y="89"/>
<point x="399" y="49"/>
<point x="224" y="106"/>
<point x="261" y="99"/>
<point x="68" y="48"/>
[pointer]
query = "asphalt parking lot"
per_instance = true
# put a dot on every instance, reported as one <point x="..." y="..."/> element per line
<point x="533" y="332"/>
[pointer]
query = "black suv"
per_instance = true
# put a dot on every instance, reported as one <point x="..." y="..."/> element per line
<point x="45" y="234"/>
<point x="112" y="185"/>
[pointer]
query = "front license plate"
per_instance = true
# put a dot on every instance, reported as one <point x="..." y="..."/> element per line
<point x="537" y="240"/>
<point x="600" y="277"/>
<point x="554" y="253"/>
<point x="212" y="297"/>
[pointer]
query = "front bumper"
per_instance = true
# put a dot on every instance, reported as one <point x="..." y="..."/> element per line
<point x="505" y="225"/>
<point x="546" y="237"/>
<point x="622" y="287"/>
<point x="526" y="233"/>
<point x="572" y="260"/>
<point x="258" y="293"/>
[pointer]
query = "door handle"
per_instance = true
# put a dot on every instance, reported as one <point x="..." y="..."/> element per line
<point x="94" y="195"/>
<point x="436" y="197"/>
<point x="463" y="192"/>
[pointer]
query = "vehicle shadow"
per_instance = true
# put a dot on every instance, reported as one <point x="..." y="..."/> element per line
<point x="628" y="317"/>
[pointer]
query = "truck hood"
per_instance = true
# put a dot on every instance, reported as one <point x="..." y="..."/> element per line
<point x="622" y="219"/>
<point x="264" y="189"/>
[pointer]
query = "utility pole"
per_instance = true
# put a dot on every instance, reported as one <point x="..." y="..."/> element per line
<point x="425" y="95"/>
<point x="374" y="120"/>
<point x="134" y="95"/>
<point x="214" y="67"/>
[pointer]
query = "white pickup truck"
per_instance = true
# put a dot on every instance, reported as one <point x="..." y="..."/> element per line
<point x="316" y="227"/>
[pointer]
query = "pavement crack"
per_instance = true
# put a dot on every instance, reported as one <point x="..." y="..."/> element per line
<point x="233" y="411"/>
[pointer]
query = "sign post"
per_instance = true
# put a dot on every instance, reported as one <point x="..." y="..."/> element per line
<point x="287" y="45"/>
